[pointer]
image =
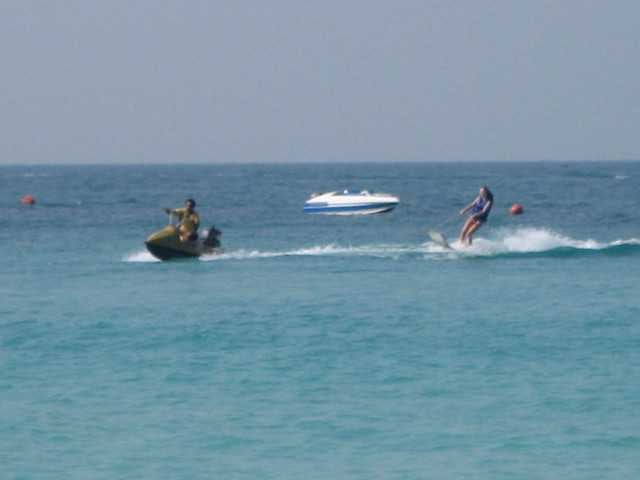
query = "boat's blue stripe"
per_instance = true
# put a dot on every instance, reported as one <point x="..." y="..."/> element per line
<point x="347" y="208"/>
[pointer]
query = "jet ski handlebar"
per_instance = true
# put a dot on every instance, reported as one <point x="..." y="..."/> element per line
<point x="169" y="212"/>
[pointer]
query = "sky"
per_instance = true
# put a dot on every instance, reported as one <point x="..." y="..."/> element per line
<point x="157" y="81"/>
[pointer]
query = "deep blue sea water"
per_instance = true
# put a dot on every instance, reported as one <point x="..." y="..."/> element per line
<point x="321" y="347"/>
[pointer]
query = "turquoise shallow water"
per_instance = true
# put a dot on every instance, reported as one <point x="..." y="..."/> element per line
<point x="321" y="347"/>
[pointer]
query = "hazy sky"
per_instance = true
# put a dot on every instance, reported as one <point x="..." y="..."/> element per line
<point x="256" y="81"/>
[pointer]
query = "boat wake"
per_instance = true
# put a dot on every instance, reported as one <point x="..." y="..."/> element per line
<point x="535" y="241"/>
<point x="381" y="251"/>
<point x="501" y="243"/>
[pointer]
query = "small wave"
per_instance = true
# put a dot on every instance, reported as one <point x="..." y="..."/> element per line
<point x="621" y="177"/>
<point x="34" y="175"/>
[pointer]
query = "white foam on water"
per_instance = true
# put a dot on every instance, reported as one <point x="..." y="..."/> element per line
<point x="526" y="240"/>
<point x="142" y="256"/>
<point x="317" y="250"/>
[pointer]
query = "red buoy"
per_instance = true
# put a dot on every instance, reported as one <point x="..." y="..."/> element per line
<point x="28" y="200"/>
<point x="516" y="209"/>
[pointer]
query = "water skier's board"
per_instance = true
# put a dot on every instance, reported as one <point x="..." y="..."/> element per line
<point x="440" y="239"/>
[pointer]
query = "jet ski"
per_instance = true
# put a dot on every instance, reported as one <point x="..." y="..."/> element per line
<point x="165" y="244"/>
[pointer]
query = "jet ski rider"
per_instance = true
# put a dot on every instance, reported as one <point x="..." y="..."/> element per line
<point x="189" y="220"/>
<point x="479" y="209"/>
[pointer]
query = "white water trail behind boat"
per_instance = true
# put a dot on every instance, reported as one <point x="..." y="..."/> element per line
<point x="503" y="241"/>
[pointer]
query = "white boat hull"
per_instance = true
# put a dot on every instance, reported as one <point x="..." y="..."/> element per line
<point x="363" y="203"/>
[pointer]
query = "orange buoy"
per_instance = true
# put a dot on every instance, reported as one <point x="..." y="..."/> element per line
<point x="516" y="209"/>
<point x="28" y="200"/>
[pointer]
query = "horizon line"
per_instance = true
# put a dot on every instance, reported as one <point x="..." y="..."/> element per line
<point x="303" y="163"/>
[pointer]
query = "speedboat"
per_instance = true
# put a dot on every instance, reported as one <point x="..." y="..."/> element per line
<point x="350" y="203"/>
<point x="165" y="244"/>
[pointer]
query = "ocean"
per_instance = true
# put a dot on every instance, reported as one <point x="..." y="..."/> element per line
<point x="321" y="347"/>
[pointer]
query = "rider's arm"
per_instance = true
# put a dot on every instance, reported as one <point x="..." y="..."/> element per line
<point x="175" y="211"/>
<point x="466" y="209"/>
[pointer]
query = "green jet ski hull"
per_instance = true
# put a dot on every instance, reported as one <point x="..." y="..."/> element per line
<point x="165" y="244"/>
